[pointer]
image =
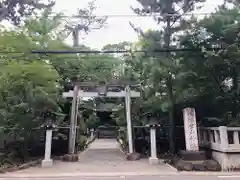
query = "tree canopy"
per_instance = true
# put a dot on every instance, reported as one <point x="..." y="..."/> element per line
<point x="14" y="11"/>
<point x="31" y="84"/>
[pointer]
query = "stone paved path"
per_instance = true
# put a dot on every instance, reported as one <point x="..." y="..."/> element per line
<point x="103" y="156"/>
<point x="137" y="177"/>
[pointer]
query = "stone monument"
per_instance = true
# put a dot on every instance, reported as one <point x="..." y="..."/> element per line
<point x="191" y="137"/>
<point x="190" y="129"/>
<point x="193" y="159"/>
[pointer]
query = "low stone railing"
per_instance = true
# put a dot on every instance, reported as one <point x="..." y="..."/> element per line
<point x="224" y="139"/>
<point x="224" y="143"/>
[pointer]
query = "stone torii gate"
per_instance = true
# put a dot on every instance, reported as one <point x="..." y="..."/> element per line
<point x="100" y="91"/>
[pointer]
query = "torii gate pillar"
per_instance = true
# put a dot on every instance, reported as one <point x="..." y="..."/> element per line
<point x="128" y="118"/>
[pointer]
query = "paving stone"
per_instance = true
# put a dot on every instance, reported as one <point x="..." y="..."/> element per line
<point x="102" y="156"/>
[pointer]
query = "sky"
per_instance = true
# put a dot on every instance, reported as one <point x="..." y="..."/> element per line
<point x="117" y="28"/>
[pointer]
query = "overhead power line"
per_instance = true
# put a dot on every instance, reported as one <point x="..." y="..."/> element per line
<point x="148" y="15"/>
<point x="119" y="51"/>
<point x="110" y="51"/>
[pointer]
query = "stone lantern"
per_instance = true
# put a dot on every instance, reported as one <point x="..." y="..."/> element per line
<point x="152" y="121"/>
<point x="102" y="89"/>
<point x="152" y="124"/>
<point x="49" y="126"/>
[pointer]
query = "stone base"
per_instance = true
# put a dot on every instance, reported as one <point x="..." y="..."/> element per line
<point x="206" y="165"/>
<point x="192" y="155"/>
<point x="153" y="161"/>
<point x="47" y="163"/>
<point x="133" y="156"/>
<point x="70" y="158"/>
<point x="228" y="161"/>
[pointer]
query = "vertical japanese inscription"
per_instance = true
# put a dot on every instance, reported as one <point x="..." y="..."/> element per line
<point x="190" y="129"/>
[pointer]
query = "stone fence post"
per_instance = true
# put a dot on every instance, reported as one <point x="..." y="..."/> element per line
<point x="223" y="137"/>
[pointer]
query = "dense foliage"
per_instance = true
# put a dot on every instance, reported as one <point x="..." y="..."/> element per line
<point x="205" y="79"/>
<point x="31" y="84"/>
<point x="15" y="11"/>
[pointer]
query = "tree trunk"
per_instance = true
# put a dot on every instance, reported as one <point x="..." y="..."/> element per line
<point x="25" y="153"/>
<point x="171" y="116"/>
<point x="75" y="35"/>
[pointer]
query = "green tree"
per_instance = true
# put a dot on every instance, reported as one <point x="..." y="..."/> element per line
<point x="84" y="21"/>
<point x="15" y="11"/>
<point x="215" y="72"/>
<point x="26" y="96"/>
<point x="31" y="84"/>
<point x="172" y="17"/>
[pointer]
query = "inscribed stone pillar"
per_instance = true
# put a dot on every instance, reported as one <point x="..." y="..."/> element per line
<point x="190" y="129"/>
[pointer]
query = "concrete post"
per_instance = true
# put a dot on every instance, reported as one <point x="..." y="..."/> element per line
<point x="47" y="161"/>
<point x="216" y="137"/>
<point x="235" y="138"/>
<point x="153" y="159"/>
<point x="128" y="117"/>
<point x="91" y="134"/>
<point x="73" y="122"/>
<point x="211" y="136"/>
<point x="223" y="137"/>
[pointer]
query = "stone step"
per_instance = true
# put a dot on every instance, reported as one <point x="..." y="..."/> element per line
<point x="107" y="134"/>
<point x="205" y="165"/>
<point x="193" y="155"/>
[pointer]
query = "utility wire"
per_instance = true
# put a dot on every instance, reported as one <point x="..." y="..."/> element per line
<point x="146" y="15"/>
<point x="111" y="51"/>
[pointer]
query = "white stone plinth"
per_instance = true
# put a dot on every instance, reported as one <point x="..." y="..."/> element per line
<point x="153" y="161"/>
<point x="92" y="134"/>
<point x="153" y="142"/>
<point x="47" y="163"/>
<point x="190" y="129"/>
